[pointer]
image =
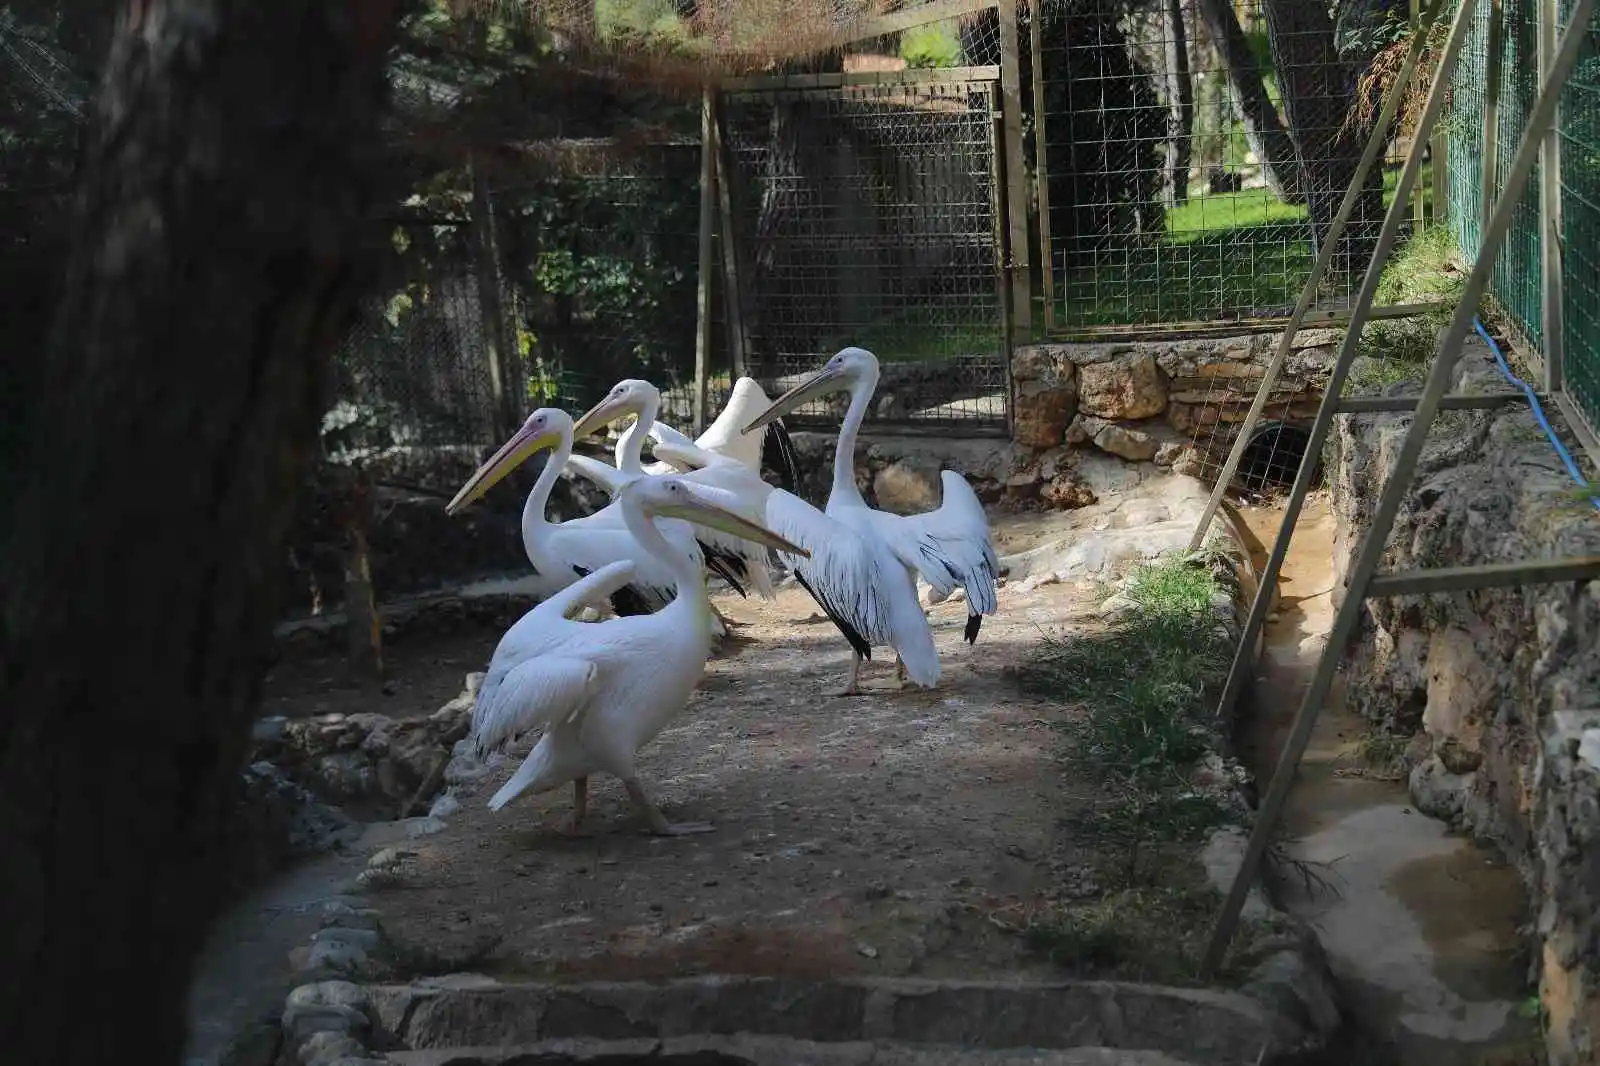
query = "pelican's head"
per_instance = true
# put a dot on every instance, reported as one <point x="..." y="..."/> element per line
<point x="670" y="496"/>
<point x="548" y="427"/>
<point x="839" y="374"/>
<point x="631" y="396"/>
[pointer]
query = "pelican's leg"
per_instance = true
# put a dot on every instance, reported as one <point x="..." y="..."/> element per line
<point x="580" y="803"/>
<point x="658" y="821"/>
<point x="900" y="671"/>
<point x="853" y="686"/>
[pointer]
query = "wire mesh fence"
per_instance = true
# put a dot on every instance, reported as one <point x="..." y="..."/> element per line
<point x="866" y="214"/>
<point x="413" y="397"/>
<point x="1196" y="150"/>
<point x="1580" y="235"/>
<point x="1491" y="94"/>
<point x="605" y="263"/>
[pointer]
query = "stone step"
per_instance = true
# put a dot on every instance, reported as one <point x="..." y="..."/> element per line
<point x="850" y="1016"/>
<point x="749" y="1050"/>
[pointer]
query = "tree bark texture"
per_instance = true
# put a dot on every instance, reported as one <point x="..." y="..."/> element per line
<point x="215" y="263"/>
<point x="1318" y="89"/>
<point x="1180" y="104"/>
<point x="1263" y="129"/>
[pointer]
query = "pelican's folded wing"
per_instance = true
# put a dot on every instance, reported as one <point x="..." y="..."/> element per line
<point x="948" y="546"/>
<point x="841" y="573"/>
<point x="537" y="694"/>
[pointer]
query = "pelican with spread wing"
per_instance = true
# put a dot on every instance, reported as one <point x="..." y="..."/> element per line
<point x="600" y="691"/>
<point x="949" y="547"/>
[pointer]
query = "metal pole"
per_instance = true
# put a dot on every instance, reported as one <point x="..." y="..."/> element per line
<point x="1369" y="156"/>
<point x="1332" y="403"/>
<point x="1399" y="482"/>
<point x="1552" y="278"/>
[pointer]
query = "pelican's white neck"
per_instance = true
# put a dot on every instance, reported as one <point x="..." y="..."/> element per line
<point x="534" y="523"/>
<point x="862" y="386"/>
<point x="689" y="592"/>
<point x="630" y="446"/>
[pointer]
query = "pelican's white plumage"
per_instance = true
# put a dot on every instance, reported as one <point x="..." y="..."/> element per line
<point x="600" y="691"/>
<point x="873" y="581"/>
<point x="743" y="563"/>
<point x="564" y="552"/>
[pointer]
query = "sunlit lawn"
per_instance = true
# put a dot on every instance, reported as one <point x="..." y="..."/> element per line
<point x="1224" y="255"/>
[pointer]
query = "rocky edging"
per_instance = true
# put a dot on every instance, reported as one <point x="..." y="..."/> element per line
<point x="1497" y="689"/>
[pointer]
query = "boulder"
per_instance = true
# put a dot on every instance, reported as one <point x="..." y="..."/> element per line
<point x="372" y="764"/>
<point x="1131" y="444"/>
<point x="1130" y="387"/>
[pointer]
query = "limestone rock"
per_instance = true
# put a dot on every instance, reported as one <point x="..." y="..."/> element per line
<point x="1501" y="682"/>
<point x="280" y="821"/>
<point x="1131" y="444"/>
<point x="370" y="763"/>
<point x="1040" y="413"/>
<point x="1083" y="429"/>
<point x="1021" y="487"/>
<point x="1065" y="492"/>
<point x="1130" y="388"/>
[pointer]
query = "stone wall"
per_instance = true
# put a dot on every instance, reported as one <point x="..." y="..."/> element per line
<point x="1080" y="409"/>
<point x="1499" y="688"/>
<point x="1152" y="400"/>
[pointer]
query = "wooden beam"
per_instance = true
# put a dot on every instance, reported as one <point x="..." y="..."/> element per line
<point x="1021" y="275"/>
<point x="708" y="237"/>
<point x="860" y="79"/>
<point x="727" y="232"/>
<point x="910" y="19"/>
<point x="1041" y="169"/>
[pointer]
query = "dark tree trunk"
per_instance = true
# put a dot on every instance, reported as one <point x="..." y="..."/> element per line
<point x="1318" y="92"/>
<point x="1180" y="105"/>
<point x="212" y="272"/>
<point x="1262" y="127"/>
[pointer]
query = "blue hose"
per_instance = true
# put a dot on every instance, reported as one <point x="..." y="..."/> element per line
<point x="1538" y="410"/>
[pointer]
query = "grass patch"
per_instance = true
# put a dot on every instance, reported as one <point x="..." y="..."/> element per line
<point x="1422" y="271"/>
<point x="1144" y="683"/>
<point x="1145" y="686"/>
<point x="1220" y="255"/>
<point x="1146" y="933"/>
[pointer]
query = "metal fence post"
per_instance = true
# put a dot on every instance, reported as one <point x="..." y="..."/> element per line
<point x="1552" y="294"/>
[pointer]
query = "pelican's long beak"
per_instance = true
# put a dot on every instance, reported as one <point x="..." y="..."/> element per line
<point x="706" y="507"/>
<point x="512" y="454"/>
<point x="601" y="415"/>
<point x="821" y="383"/>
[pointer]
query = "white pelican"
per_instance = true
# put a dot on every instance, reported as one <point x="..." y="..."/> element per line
<point x="602" y="690"/>
<point x="739" y="474"/>
<point x="563" y="552"/>
<point x="948" y="546"/>
<point x="722" y="438"/>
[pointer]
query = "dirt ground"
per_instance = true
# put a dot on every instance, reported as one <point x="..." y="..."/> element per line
<point x="891" y="833"/>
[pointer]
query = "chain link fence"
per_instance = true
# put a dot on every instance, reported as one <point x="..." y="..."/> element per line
<point x="865" y="212"/>
<point x="1196" y="151"/>
<point x="1491" y="94"/>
